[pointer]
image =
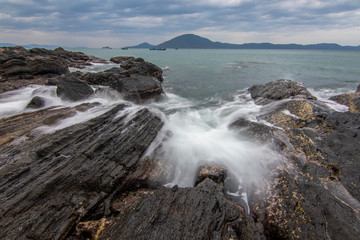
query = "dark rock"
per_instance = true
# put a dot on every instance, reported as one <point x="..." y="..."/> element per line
<point x="73" y="89"/>
<point x="280" y="89"/>
<point x="138" y="89"/>
<point x="215" y="173"/>
<point x="52" y="82"/>
<point x="121" y="59"/>
<point x="20" y="67"/>
<point x="358" y="88"/>
<point x="20" y="128"/>
<point x="55" y="181"/>
<point x="344" y="140"/>
<point x="318" y="189"/>
<point x="47" y="66"/>
<point x="202" y="212"/>
<point x="255" y="130"/>
<point x="36" y="102"/>
<point x="138" y="67"/>
<point x="105" y="78"/>
<point x="306" y="208"/>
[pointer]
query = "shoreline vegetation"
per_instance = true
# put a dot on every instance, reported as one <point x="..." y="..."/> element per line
<point x="94" y="180"/>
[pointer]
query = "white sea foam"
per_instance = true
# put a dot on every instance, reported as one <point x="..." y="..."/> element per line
<point x="201" y="136"/>
<point x="95" y="67"/>
<point x="323" y="95"/>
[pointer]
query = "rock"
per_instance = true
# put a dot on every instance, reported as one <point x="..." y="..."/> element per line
<point x="138" y="67"/>
<point x="52" y="82"/>
<point x="202" y="212"/>
<point x="47" y="66"/>
<point x="318" y="189"/>
<point x="20" y="67"/>
<point x="352" y="100"/>
<point x="255" y="130"/>
<point x="36" y="102"/>
<point x="91" y="229"/>
<point x="358" y="88"/>
<point x="121" y="59"/>
<point x="215" y="173"/>
<point x="138" y="89"/>
<point x="280" y="89"/>
<point x="22" y="127"/>
<point x="73" y="89"/>
<point x="55" y="181"/>
<point x="105" y="78"/>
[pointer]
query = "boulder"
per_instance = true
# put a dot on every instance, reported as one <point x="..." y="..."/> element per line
<point x="73" y="89"/>
<point x="36" y="102"/>
<point x="138" y="89"/>
<point x="215" y="173"/>
<point x="121" y="59"/>
<point x="139" y="67"/>
<point x="278" y="90"/>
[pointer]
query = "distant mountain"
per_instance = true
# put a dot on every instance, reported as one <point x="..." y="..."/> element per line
<point x="188" y="41"/>
<point x="195" y="41"/>
<point x="29" y="45"/>
<point x="143" y="45"/>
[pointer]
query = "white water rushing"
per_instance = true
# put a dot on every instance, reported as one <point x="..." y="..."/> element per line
<point x="201" y="135"/>
<point x="196" y="133"/>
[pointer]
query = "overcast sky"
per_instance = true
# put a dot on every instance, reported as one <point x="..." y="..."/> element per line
<point x="97" y="23"/>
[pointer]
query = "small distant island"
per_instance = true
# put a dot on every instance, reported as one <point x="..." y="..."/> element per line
<point x="193" y="41"/>
<point x="107" y="47"/>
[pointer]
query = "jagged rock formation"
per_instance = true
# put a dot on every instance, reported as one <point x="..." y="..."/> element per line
<point x="317" y="195"/>
<point x="20" y="67"/>
<point x="280" y="89"/>
<point x="52" y="182"/>
<point x="138" y="67"/>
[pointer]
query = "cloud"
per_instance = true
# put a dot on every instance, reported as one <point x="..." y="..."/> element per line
<point x="159" y="19"/>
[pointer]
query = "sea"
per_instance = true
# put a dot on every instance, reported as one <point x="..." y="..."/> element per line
<point x="206" y="90"/>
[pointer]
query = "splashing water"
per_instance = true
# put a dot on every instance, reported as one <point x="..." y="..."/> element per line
<point x="202" y="136"/>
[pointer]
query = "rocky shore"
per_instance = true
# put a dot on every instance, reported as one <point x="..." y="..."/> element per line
<point x="91" y="180"/>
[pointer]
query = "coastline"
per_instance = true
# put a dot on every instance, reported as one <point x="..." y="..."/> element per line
<point x="96" y="179"/>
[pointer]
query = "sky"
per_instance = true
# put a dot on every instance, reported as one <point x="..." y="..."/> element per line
<point x="97" y="23"/>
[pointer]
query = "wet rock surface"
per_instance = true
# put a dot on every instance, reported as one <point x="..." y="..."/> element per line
<point x="280" y="89"/>
<point x="139" y="88"/>
<point x="139" y="67"/>
<point x="36" y="102"/>
<point x="352" y="100"/>
<point x="73" y="89"/>
<point x="20" y="67"/>
<point x="316" y="196"/>
<point x="55" y="181"/>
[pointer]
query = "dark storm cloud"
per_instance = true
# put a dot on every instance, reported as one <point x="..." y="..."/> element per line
<point x="171" y="17"/>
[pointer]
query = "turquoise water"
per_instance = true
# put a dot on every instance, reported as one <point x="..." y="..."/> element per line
<point x="205" y="73"/>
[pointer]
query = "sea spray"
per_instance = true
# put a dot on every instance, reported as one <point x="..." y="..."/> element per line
<point x="196" y="136"/>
